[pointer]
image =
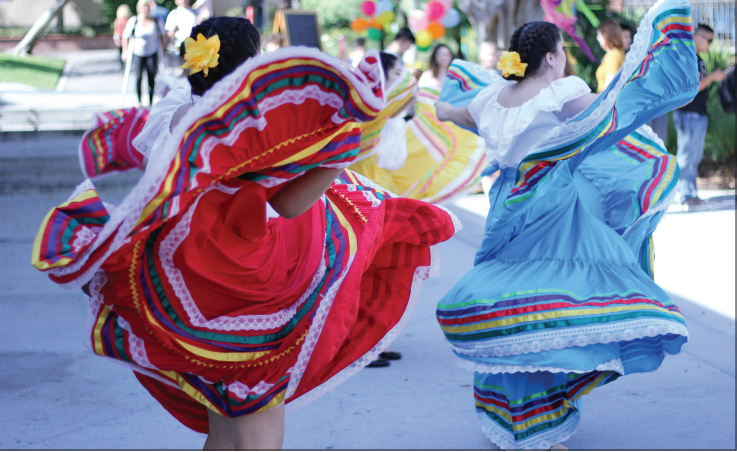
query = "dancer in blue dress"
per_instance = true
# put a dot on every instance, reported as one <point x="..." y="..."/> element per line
<point x="561" y="299"/>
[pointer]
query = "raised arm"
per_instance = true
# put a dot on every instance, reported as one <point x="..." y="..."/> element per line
<point x="459" y="115"/>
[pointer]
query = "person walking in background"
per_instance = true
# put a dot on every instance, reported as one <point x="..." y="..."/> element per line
<point x="358" y="51"/>
<point x="146" y="37"/>
<point x="158" y="11"/>
<point x="440" y="60"/>
<point x="609" y="36"/>
<point x="274" y="41"/>
<point x="204" y="10"/>
<point x="691" y="122"/>
<point x="403" y="41"/>
<point x="122" y="15"/>
<point x="626" y="36"/>
<point x="178" y="26"/>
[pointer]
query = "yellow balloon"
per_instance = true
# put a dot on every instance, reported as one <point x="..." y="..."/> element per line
<point x="386" y="18"/>
<point x="423" y="38"/>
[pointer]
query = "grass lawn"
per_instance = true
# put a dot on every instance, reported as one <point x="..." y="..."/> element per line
<point x="43" y="73"/>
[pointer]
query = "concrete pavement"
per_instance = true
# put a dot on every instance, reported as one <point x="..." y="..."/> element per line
<point x="58" y="395"/>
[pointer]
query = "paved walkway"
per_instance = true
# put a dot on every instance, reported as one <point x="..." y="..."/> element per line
<point x="58" y="395"/>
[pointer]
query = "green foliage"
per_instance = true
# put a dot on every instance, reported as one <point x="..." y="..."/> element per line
<point x="334" y="13"/>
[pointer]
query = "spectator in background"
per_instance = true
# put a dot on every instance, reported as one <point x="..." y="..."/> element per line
<point x="179" y="24"/>
<point x="609" y="36"/>
<point x="358" y="51"/>
<point x="146" y="37"/>
<point x="489" y="56"/>
<point x="122" y="15"/>
<point x="691" y="122"/>
<point x="402" y="42"/>
<point x="440" y="60"/>
<point x="627" y="32"/>
<point x="204" y="10"/>
<point x="158" y="11"/>
<point x="274" y="41"/>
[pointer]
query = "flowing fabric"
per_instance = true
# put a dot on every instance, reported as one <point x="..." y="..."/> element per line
<point x="211" y="303"/>
<point x="561" y="299"/>
<point x="106" y="147"/>
<point x="443" y="161"/>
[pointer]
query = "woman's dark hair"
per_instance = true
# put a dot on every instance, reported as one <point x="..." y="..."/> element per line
<point x="388" y="60"/>
<point x="533" y="41"/>
<point x="239" y="41"/>
<point x="434" y="66"/>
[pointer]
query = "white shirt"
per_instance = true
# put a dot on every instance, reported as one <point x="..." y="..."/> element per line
<point x="511" y="133"/>
<point x="181" y="21"/>
<point x="146" y="41"/>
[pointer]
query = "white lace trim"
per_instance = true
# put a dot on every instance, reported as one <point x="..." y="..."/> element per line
<point x="615" y="365"/>
<point x="572" y="129"/>
<point x="168" y="247"/>
<point x="571" y="337"/>
<point x="372" y="354"/>
<point x="124" y="219"/>
<point x="541" y="441"/>
<point x="242" y="391"/>
<point x="313" y="335"/>
<point x="84" y="236"/>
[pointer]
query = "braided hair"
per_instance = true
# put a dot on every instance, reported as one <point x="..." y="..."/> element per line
<point x="533" y="41"/>
<point x="239" y="41"/>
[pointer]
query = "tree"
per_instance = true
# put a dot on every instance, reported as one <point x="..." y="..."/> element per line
<point x="29" y="40"/>
<point x="495" y="21"/>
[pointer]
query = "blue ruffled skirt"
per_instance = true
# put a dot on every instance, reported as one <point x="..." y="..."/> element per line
<point x="561" y="299"/>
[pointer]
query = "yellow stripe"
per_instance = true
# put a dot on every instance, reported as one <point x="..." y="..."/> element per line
<point x="36" y="258"/>
<point x="97" y="331"/>
<point x="550" y="316"/>
<point x="218" y="356"/>
<point x="524" y="425"/>
<point x="351" y="235"/>
<point x="317" y="146"/>
<point x="279" y="398"/>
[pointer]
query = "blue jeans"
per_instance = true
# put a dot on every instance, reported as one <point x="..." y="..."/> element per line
<point x="691" y="130"/>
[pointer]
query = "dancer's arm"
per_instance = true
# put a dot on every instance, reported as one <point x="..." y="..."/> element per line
<point x="299" y="194"/>
<point x="459" y="115"/>
<point x="573" y="108"/>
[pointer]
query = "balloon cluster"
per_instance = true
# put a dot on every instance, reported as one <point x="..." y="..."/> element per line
<point x="429" y="24"/>
<point x="380" y="15"/>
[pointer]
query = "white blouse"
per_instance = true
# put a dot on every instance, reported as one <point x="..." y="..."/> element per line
<point x="510" y="133"/>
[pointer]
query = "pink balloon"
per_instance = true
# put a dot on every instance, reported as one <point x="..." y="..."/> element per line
<point x="418" y="20"/>
<point x="368" y="7"/>
<point x="434" y="10"/>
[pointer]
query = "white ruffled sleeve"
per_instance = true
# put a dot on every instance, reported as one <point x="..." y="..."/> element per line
<point x="499" y="126"/>
<point x="158" y="124"/>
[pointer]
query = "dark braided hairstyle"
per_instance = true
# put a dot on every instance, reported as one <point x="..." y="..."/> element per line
<point x="388" y="60"/>
<point x="533" y="41"/>
<point x="239" y="41"/>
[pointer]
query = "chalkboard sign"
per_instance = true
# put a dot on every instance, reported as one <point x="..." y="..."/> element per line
<point x="301" y="28"/>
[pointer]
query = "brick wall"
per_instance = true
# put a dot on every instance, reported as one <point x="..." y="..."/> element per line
<point x="61" y="43"/>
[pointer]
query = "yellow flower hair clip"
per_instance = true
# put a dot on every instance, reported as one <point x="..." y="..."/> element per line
<point x="510" y="64"/>
<point x="202" y="54"/>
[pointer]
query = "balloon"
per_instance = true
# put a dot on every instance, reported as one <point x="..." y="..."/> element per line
<point x="384" y="6"/>
<point x="374" y="34"/>
<point x="386" y="18"/>
<point x="359" y="25"/>
<point x="368" y="7"/>
<point x="424" y="49"/>
<point x="451" y="18"/>
<point x="423" y="39"/>
<point x="436" y="30"/>
<point x="373" y="23"/>
<point x="447" y="3"/>
<point x="434" y="10"/>
<point x="418" y="20"/>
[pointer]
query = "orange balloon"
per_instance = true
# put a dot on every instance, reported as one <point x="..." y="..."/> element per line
<point x="359" y="25"/>
<point x="436" y="30"/>
<point x="373" y="23"/>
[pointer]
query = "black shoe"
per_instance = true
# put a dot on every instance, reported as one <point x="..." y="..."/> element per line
<point x="379" y="362"/>
<point x="390" y="355"/>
